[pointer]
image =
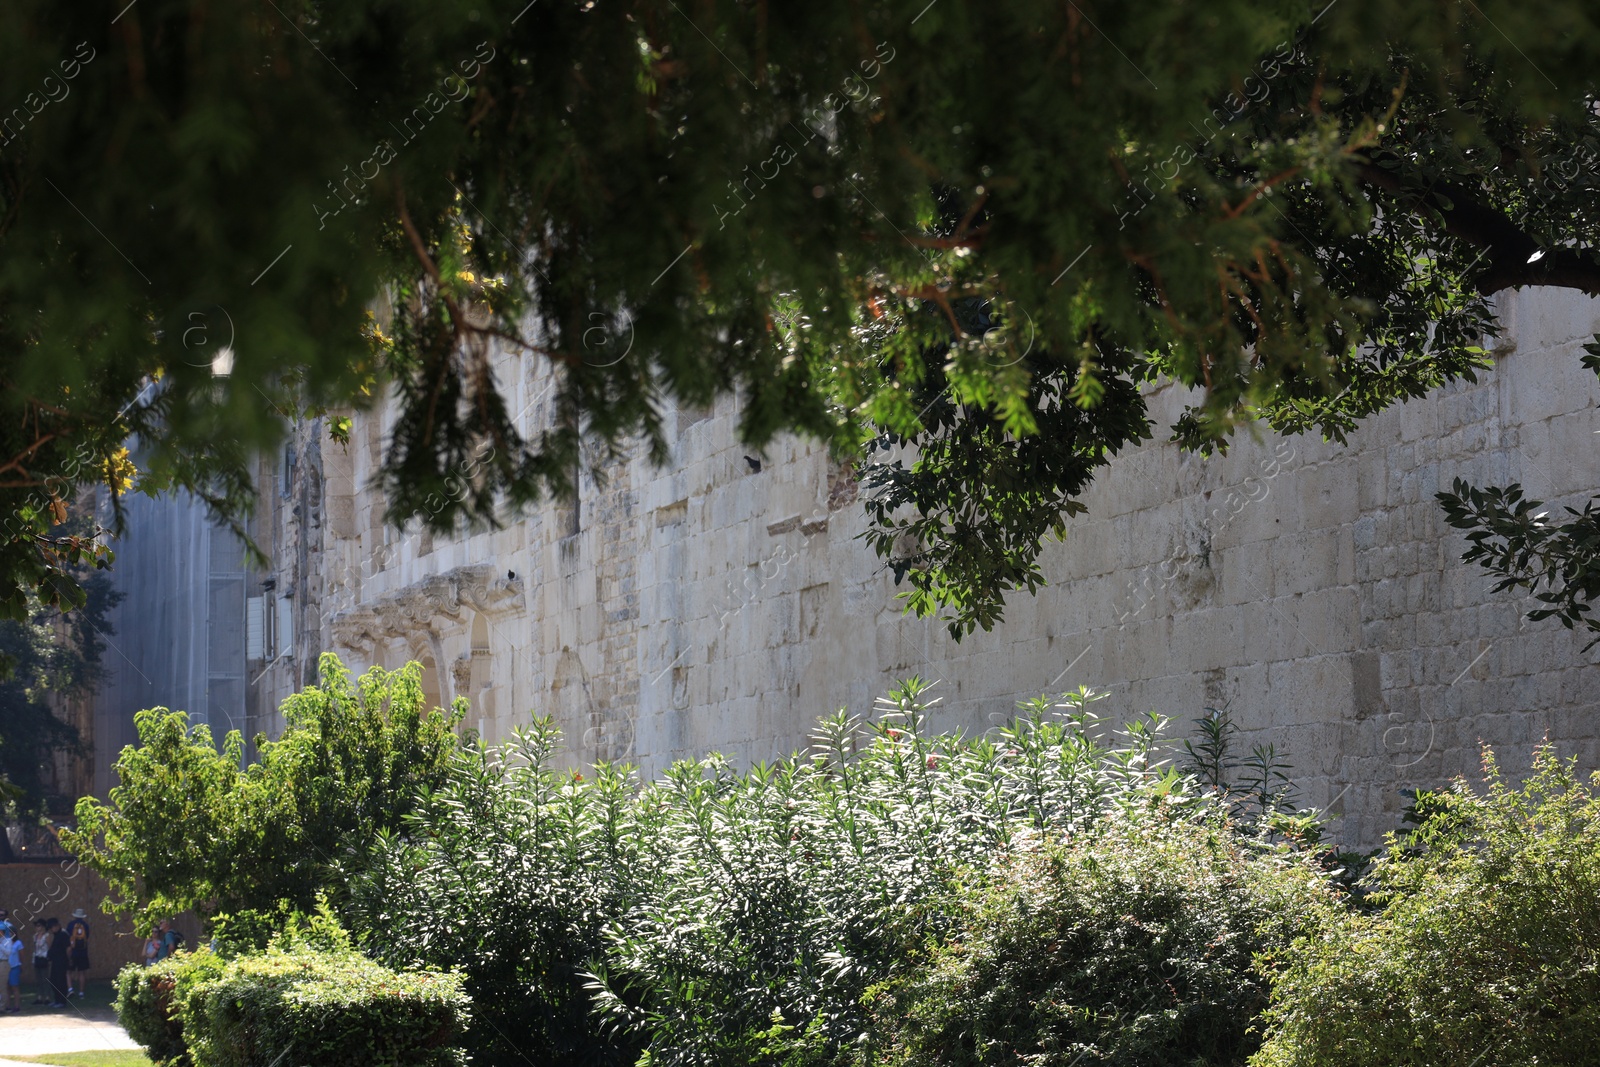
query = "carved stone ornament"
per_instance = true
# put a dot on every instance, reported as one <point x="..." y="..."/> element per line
<point x="412" y="610"/>
<point x="461" y="674"/>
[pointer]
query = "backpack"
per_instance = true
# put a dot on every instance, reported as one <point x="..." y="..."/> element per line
<point x="177" y="939"/>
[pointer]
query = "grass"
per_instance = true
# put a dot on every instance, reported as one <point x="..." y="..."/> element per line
<point x="103" y="1058"/>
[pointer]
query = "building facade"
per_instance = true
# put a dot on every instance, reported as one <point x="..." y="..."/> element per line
<point x="177" y="635"/>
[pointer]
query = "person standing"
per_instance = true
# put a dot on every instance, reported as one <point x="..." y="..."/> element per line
<point x="11" y="945"/>
<point x="169" y="938"/>
<point x="77" y="956"/>
<point x="59" y="945"/>
<point x="41" y="960"/>
<point x="152" y="947"/>
<point x="78" y="924"/>
<point x="163" y="928"/>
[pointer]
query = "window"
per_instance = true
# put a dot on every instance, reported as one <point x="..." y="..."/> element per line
<point x="287" y="481"/>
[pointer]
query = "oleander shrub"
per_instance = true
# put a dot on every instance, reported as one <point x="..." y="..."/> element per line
<point x="1146" y="942"/>
<point x="1486" y="949"/>
<point x="774" y="898"/>
<point x="719" y="916"/>
<point x="511" y="873"/>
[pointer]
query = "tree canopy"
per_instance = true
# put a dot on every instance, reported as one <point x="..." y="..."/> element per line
<point x="189" y="827"/>
<point x="978" y="229"/>
<point x="50" y="654"/>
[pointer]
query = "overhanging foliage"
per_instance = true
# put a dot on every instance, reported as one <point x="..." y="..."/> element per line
<point x="841" y="212"/>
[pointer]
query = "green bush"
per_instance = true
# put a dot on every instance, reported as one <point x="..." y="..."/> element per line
<point x="149" y="1001"/>
<point x="191" y="827"/>
<point x="322" y="1009"/>
<point x="718" y="916"/>
<point x="773" y="899"/>
<point x="1485" y="950"/>
<point x="1134" y="944"/>
<point x="309" y="998"/>
<point x="534" y="861"/>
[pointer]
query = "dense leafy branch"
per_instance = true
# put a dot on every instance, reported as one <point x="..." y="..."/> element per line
<point x="50" y="657"/>
<point x="1510" y="535"/>
<point x="1515" y="259"/>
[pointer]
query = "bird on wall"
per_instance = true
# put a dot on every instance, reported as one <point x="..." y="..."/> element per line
<point x="755" y="464"/>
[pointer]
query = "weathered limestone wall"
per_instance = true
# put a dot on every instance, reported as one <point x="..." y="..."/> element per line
<point x="1313" y="590"/>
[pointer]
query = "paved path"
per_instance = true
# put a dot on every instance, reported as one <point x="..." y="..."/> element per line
<point x="78" y="1028"/>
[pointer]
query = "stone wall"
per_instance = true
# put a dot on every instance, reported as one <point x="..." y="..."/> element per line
<point x="1310" y="589"/>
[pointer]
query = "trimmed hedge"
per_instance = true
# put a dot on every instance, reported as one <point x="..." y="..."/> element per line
<point x="331" y="1010"/>
<point x="148" y="998"/>
<point x="326" y="1009"/>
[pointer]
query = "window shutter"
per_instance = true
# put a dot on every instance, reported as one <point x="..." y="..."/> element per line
<point x="255" y="628"/>
<point x="286" y="627"/>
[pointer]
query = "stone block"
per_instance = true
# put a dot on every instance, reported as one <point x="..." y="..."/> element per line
<point x="1304" y="562"/>
<point x="1244" y="576"/>
<point x="1212" y="639"/>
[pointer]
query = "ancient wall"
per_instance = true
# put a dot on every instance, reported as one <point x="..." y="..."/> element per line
<point x="1312" y="590"/>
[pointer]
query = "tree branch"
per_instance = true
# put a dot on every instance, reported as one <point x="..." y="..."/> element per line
<point x="1515" y="259"/>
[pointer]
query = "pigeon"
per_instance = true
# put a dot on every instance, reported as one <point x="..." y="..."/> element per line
<point x="755" y="464"/>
